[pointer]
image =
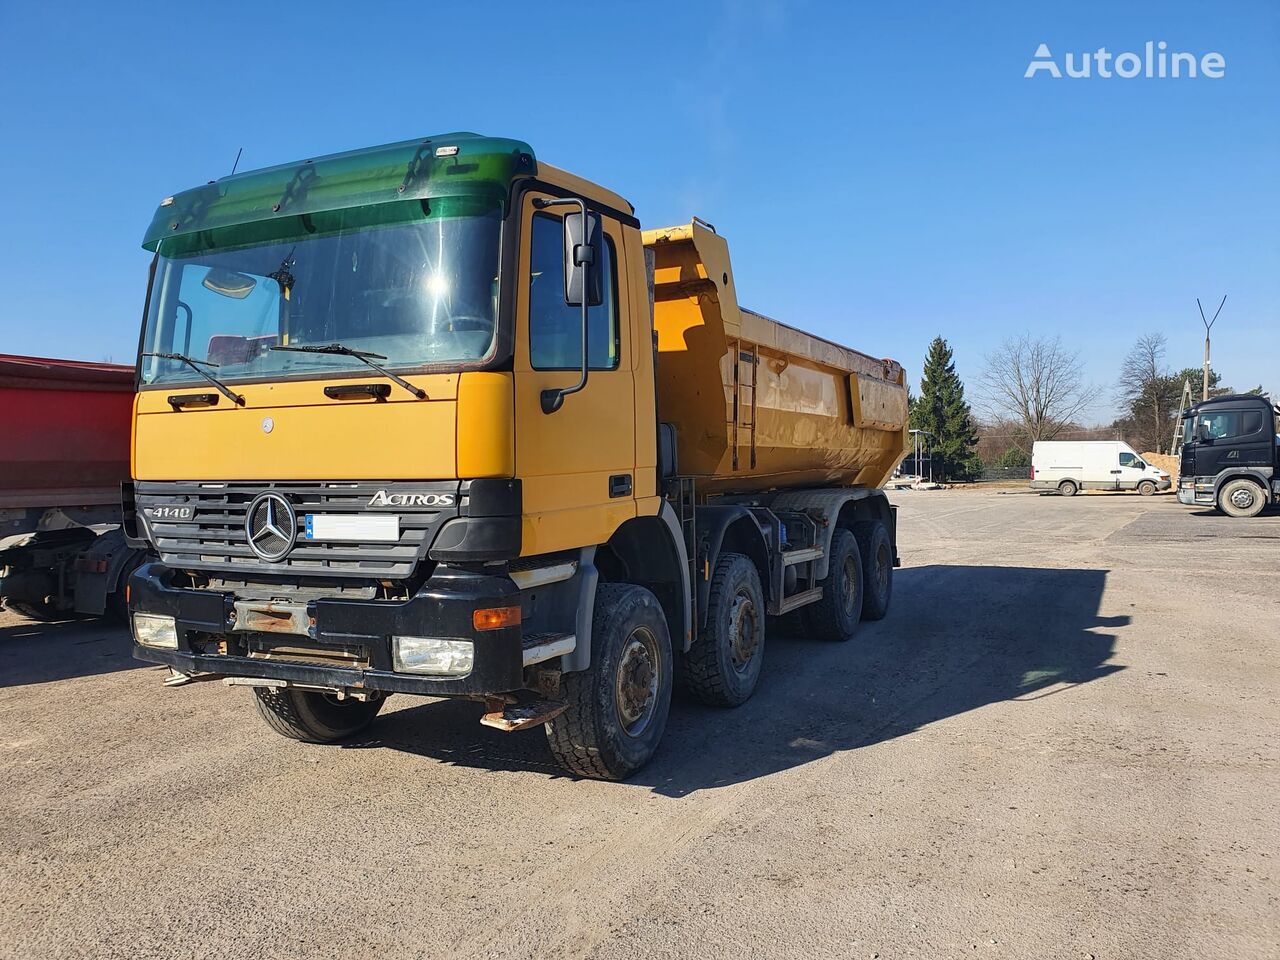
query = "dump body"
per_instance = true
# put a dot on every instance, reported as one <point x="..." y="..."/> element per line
<point x="66" y="453"/>
<point x="759" y="404"/>
<point x="66" y="433"/>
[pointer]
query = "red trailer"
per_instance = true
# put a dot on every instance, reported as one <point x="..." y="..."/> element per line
<point x="64" y="451"/>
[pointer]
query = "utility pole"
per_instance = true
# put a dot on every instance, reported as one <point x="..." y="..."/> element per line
<point x="1208" y="325"/>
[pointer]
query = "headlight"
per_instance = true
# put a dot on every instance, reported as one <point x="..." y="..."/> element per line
<point x="433" y="656"/>
<point x="153" y="631"/>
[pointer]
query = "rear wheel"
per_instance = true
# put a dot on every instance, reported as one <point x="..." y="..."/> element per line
<point x="311" y="716"/>
<point x="876" y="548"/>
<point x="1146" y="488"/>
<point x="617" y="708"/>
<point x="836" y="615"/>
<point x="1068" y="488"/>
<point x="42" y="611"/>
<point x="722" y="667"/>
<point x="1241" y="498"/>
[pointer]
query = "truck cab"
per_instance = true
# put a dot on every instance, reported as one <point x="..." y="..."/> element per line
<point x="399" y="430"/>
<point x="1230" y="455"/>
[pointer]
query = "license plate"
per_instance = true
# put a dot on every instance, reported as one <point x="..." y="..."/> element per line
<point x="352" y="528"/>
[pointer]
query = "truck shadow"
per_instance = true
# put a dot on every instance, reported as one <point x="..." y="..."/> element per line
<point x="32" y="652"/>
<point x="958" y="638"/>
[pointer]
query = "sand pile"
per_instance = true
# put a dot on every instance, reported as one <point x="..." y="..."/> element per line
<point x="1163" y="461"/>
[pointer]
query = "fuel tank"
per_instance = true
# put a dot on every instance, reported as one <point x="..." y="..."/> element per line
<point x="759" y="404"/>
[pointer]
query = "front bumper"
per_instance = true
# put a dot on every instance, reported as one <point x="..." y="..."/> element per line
<point x="444" y="607"/>
<point x="1164" y="483"/>
<point x="1195" y="492"/>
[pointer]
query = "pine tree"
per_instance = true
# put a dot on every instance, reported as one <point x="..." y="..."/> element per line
<point x="942" y="412"/>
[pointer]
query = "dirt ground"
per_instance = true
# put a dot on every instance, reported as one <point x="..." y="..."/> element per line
<point x="1060" y="743"/>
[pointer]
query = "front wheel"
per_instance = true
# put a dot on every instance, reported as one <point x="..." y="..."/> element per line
<point x="617" y="708"/>
<point x="1146" y="488"/>
<point x="311" y="716"/>
<point x="1241" y="498"/>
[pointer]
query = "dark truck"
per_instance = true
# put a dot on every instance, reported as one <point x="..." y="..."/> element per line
<point x="1230" y="457"/>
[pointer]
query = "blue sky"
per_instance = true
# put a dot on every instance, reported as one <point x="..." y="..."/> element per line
<point x="883" y="171"/>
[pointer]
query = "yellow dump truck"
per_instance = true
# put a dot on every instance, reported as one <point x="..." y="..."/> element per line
<point x="437" y="418"/>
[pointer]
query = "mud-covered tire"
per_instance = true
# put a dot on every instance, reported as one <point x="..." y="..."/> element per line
<point x="40" y="612"/>
<point x="723" y="665"/>
<point x="1068" y="488"/>
<point x="616" y="713"/>
<point x="311" y="716"/>
<point x="1241" y="498"/>
<point x="876" y="547"/>
<point x="1146" y="488"/>
<point x="836" y="615"/>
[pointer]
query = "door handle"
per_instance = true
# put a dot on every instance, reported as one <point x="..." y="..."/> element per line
<point x="620" y="485"/>
<point x="1115" y="471"/>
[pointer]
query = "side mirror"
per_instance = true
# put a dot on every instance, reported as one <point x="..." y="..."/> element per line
<point x="581" y="282"/>
<point x="1202" y="431"/>
<point x="581" y="248"/>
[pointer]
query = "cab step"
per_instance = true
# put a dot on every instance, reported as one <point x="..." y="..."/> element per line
<point x="522" y="714"/>
<point x="546" y="646"/>
<point x="797" y="600"/>
<point x="801" y="555"/>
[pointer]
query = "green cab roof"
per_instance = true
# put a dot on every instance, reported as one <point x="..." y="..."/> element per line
<point x="451" y="164"/>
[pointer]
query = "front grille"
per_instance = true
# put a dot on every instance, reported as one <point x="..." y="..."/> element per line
<point x="212" y="536"/>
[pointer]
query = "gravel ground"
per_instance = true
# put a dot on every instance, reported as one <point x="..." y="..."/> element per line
<point x="1060" y="743"/>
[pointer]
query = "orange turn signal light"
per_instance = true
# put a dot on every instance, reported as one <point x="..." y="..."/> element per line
<point x="495" y="618"/>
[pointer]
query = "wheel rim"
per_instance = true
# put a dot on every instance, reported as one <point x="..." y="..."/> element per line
<point x="636" y="689"/>
<point x="884" y="563"/>
<point x="744" y="631"/>
<point x="849" y="576"/>
<point x="1242" y="498"/>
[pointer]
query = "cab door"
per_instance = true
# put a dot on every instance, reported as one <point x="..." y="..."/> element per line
<point x="1133" y="469"/>
<point x="577" y="464"/>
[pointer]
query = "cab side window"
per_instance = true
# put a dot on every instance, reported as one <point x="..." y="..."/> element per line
<point x="1221" y="426"/>
<point x="555" y="327"/>
<point x="1129" y="460"/>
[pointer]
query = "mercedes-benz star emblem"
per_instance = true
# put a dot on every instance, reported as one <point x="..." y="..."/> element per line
<point x="271" y="526"/>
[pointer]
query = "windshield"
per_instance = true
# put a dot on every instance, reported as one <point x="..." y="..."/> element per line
<point x="419" y="290"/>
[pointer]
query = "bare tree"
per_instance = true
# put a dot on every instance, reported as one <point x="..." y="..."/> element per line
<point x="1038" y="384"/>
<point x="1148" y="393"/>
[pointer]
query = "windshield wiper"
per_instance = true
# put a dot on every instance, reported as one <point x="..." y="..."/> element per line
<point x="364" y="356"/>
<point x="196" y="365"/>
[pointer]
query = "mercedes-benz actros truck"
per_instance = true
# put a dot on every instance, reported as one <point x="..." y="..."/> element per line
<point x="439" y="418"/>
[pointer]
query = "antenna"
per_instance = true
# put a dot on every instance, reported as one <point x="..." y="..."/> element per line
<point x="241" y="150"/>
<point x="1208" y="325"/>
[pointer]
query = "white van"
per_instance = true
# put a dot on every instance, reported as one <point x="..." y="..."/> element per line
<point x="1070" y="466"/>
